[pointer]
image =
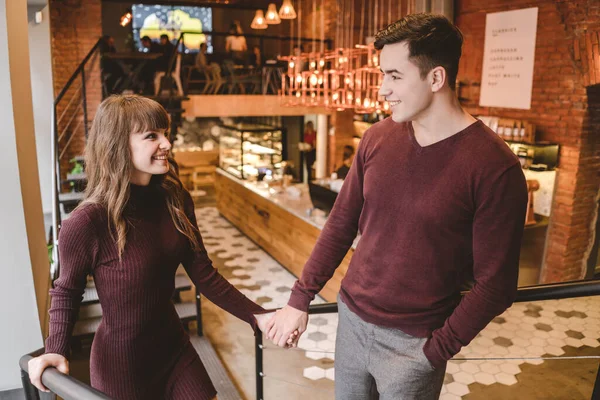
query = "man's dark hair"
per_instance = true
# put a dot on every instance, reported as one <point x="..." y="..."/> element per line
<point x="432" y="41"/>
<point x="145" y="39"/>
<point x="164" y="36"/>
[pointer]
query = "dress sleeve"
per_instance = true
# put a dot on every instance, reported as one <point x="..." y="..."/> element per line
<point x="78" y="247"/>
<point x="212" y="284"/>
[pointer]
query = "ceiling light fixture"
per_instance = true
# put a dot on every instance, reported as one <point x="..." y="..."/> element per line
<point x="272" y="17"/>
<point x="287" y="10"/>
<point x="259" y="21"/>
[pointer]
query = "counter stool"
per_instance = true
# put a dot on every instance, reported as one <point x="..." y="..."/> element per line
<point x="203" y="176"/>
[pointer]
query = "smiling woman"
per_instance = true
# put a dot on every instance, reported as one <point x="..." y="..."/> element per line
<point x="132" y="231"/>
<point x="149" y="155"/>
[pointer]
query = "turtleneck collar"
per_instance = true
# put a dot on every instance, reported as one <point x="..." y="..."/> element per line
<point x="144" y="196"/>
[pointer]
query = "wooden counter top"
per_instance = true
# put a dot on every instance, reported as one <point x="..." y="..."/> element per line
<point x="278" y="222"/>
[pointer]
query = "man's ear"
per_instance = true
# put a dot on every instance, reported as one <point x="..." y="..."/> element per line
<point x="438" y="77"/>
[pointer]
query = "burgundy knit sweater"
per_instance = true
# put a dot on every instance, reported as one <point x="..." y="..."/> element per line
<point x="430" y="218"/>
<point x="140" y="337"/>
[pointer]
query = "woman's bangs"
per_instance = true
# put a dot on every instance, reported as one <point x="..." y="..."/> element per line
<point x="151" y="117"/>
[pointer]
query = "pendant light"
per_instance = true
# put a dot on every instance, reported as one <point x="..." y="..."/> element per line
<point x="259" y="21"/>
<point x="272" y="17"/>
<point x="126" y="18"/>
<point x="287" y="10"/>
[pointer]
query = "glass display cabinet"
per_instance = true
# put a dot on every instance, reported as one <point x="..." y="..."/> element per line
<point x="251" y="151"/>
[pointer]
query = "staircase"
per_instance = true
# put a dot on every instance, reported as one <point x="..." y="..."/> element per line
<point x="69" y="122"/>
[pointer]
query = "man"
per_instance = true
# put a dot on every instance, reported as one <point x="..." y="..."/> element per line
<point x="113" y="72"/>
<point x="201" y="62"/>
<point x="144" y="78"/>
<point x="439" y="200"/>
<point x="149" y="45"/>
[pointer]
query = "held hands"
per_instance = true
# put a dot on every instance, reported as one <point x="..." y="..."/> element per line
<point x="37" y="366"/>
<point x="287" y="324"/>
<point x="263" y="319"/>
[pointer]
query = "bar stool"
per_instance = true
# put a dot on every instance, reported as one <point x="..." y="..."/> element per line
<point x="203" y="176"/>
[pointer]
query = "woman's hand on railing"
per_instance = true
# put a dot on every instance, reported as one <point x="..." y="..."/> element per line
<point x="38" y="364"/>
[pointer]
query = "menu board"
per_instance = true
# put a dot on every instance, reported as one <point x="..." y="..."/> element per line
<point x="508" y="58"/>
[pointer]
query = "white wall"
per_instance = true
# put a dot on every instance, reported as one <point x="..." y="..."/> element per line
<point x="20" y="331"/>
<point x="42" y="97"/>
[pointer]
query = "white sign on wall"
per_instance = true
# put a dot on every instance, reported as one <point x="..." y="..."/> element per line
<point x="508" y="58"/>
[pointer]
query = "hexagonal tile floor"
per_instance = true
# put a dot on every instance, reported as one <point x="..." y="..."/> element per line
<point x="506" y="354"/>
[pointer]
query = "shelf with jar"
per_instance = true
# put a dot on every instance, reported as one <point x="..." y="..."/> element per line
<point x="520" y="137"/>
<point x="252" y="151"/>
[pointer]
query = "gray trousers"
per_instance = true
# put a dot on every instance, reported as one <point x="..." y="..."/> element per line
<point x="374" y="362"/>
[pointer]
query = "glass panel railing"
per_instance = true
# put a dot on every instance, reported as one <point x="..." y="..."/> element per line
<point x="537" y="349"/>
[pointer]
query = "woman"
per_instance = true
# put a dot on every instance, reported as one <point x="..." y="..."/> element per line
<point x="134" y="228"/>
<point x="310" y="154"/>
<point x="235" y="43"/>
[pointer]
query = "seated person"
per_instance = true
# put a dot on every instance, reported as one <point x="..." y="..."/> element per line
<point x="149" y="45"/>
<point x="145" y="78"/>
<point x="255" y="59"/>
<point x="201" y="61"/>
<point x="348" y="157"/>
<point x="112" y="71"/>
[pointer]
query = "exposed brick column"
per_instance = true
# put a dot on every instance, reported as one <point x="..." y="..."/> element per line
<point x="559" y="108"/>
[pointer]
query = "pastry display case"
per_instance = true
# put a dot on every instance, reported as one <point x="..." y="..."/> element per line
<point x="251" y="151"/>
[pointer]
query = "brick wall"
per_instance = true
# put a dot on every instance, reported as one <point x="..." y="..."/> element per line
<point x="564" y="66"/>
<point x="75" y="27"/>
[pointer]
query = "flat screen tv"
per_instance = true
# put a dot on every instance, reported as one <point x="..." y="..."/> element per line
<point x="154" y="20"/>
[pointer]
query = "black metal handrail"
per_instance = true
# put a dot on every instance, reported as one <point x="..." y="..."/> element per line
<point x="553" y="291"/>
<point x="63" y="385"/>
<point x="57" y="154"/>
<point x="79" y="68"/>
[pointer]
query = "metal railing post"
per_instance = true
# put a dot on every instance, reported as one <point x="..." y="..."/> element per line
<point x="259" y="367"/>
<point x="200" y="330"/>
<point x="56" y="220"/>
<point x="84" y="102"/>
<point x="31" y="392"/>
<point x="596" y="390"/>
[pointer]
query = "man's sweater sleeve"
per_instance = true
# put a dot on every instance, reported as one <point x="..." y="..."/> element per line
<point x="501" y="202"/>
<point x="337" y="236"/>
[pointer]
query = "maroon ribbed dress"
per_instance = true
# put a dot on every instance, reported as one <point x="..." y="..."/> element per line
<point x="140" y="350"/>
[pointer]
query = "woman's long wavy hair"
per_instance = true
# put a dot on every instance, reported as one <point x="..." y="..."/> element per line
<point x="109" y="164"/>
